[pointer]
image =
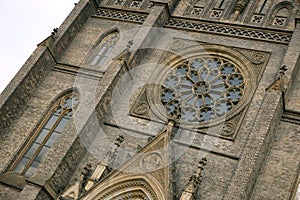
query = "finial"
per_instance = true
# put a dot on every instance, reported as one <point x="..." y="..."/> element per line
<point x="104" y="164"/>
<point x="85" y="172"/>
<point x="201" y="165"/>
<point x="55" y="30"/>
<point x="130" y="43"/>
<point x="75" y="191"/>
<point x="170" y="126"/>
<point x="191" y="188"/>
<point x="138" y="147"/>
<point x="282" y="70"/>
<point x="119" y="140"/>
<point x="150" y="138"/>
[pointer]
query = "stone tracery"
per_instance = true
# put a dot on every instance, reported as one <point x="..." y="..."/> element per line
<point x="201" y="89"/>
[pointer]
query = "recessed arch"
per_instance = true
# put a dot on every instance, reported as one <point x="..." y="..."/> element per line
<point x="103" y="48"/>
<point x="280" y="14"/>
<point x="45" y="133"/>
<point x="125" y="186"/>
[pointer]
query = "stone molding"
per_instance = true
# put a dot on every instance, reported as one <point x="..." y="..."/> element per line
<point x="21" y="94"/>
<point x="125" y="16"/>
<point x="229" y="30"/>
<point x="256" y="147"/>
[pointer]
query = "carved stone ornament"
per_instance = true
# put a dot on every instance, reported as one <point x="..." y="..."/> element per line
<point x="130" y="181"/>
<point x="177" y="45"/>
<point x="151" y="161"/>
<point x="230" y="31"/>
<point x="142" y="108"/>
<point x="227" y="129"/>
<point x="258" y="58"/>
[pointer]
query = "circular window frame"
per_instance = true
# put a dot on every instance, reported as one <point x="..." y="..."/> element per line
<point x="244" y="66"/>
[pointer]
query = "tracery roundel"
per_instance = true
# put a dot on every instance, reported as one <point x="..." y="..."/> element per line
<point x="201" y="89"/>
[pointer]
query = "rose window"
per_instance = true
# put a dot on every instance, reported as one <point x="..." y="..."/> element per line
<point x="202" y="89"/>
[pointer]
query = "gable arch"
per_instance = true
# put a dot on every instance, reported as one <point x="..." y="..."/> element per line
<point x="128" y="186"/>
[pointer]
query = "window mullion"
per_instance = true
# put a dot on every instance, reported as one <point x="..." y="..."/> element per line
<point x="101" y="57"/>
<point x="44" y="142"/>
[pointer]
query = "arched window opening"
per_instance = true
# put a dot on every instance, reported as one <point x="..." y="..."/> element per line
<point x="281" y="17"/>
<point x="281" y="14"/>
<point x="104" y="49"/>
<point x="46" y="135"/>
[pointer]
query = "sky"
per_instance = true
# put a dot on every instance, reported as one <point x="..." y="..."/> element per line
<point x="24" y="24"/>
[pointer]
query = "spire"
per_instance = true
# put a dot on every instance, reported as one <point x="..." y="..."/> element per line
<point x="278" y="84"/>
<point x="123" y="57"/>
<point x="149" y="169"/>
<point x="192" y="187"/>
<point x="281" y="72"/>
<point x="102" y="166"/>
<point x="74" y="191"/>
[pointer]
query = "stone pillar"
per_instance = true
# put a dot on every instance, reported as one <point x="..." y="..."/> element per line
<point x="292" y="60"/>
<point x="257" y="145"/>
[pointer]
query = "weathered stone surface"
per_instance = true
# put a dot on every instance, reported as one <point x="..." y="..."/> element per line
<point x="8" y="193"/>
<point x="280" y="170"/>
<point x="259" y="161"/>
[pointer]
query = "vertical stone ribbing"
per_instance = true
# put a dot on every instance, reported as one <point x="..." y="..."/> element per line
<point x="256" y="147"/>
<point x="292" y="60"/>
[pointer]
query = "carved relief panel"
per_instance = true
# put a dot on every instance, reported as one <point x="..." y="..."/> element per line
<point x="131" y="4"/>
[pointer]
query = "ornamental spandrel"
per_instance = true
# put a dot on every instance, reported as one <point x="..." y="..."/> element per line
<point x="202" y="90"/>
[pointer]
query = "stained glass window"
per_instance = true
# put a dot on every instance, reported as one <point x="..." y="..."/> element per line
<point x="46" y="135"/>
<point x="104" y="49"/>
<point x="201" y="89"/>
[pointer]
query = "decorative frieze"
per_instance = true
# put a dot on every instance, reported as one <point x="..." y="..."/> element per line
<point x="227" y="30"/>
<point x="119" y="2"/>
<point x="131" y="4"/>
<point x="139" y="18"/>
<point x="257" y="19"/>
<point x="136" y="4"/>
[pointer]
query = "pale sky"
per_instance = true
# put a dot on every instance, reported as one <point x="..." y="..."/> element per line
<point x="24" y="24"/>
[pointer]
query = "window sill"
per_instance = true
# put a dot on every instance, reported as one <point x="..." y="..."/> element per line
<point x="13" y="179"/>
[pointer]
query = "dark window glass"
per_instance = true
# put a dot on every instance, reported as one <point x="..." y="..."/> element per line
<point x="104" y="49"/>
<point x="45" y="138"/>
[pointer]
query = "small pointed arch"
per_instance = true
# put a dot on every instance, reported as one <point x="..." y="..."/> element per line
<point x="280" y="14"/>
<point x="46" y="132"/>
<point x="103" y="48"/>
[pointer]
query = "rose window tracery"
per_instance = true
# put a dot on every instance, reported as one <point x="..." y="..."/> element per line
<point x="201" y="89"/>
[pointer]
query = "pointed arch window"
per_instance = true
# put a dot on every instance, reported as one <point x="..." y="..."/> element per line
<point x="104" y="49"/>
<point x="46" y="134"/>
<point x="281" y="17"/>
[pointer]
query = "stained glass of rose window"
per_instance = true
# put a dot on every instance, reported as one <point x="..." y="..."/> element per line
<point x="201" y="89"/>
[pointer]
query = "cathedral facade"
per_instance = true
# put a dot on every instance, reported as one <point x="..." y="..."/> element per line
<point x="158" y="100"/>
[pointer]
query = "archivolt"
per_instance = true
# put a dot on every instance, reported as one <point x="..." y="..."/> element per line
<point x="126" y="187"/>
